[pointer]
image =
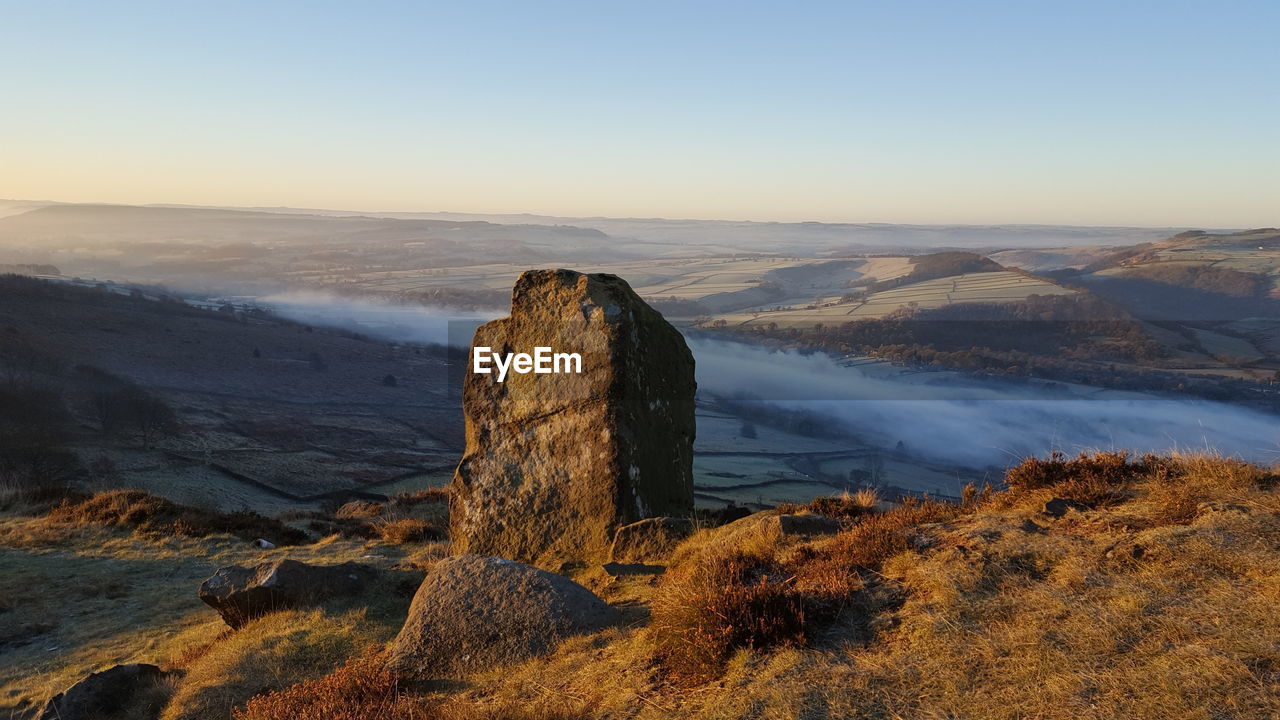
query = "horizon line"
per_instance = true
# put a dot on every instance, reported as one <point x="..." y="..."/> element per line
<point x="387" y="213"/>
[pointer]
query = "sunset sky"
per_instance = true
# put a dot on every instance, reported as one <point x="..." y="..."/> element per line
<point x="1128" y="113"/>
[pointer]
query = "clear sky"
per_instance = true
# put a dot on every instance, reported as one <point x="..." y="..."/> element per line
<point x="1139" y="113"/>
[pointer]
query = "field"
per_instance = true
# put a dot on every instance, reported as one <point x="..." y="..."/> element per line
<point x="720" y="283"/>
<point x="794" y="293"/>
<point x="1000" y="286"/>
<point x="778" y="466"/>
<point x="263" y="428"/>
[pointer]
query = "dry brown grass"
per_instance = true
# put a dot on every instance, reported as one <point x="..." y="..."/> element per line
<point x="270" y="653"/>
<point x="875" y="538"/>
<point x="411" y="518"/>
<point x="361" y="689"/>
<point x="364" y="689"/>
<point x="1091" y="479"/>
<point x="844" y="505"/>
<point x="1159" y="602"/>
<point x="695" y="620"/>
<point x="1140" y="609"/>
<point x="1159" y="599"/>
<point x="407" y="530"/>
<point x="154" y="515"/>
<point x="706" y="610"/>
<point x="102" y="595"/>
<point x="738" y="589"/>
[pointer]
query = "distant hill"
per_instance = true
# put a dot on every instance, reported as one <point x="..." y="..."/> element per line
<point x="1192" y="277"/>
<point x="206" y="247"/>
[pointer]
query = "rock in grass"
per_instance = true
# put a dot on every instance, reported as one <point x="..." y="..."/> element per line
<point x="555" y="462"/>
<point x="807" y="524"/>
<point x="618" y="569"/>
<point x="473" y="612"/>
<point x="241" y="594"/>
<point x="1057" y="507"/>
<point x="649" y="539"/>
<point x="135" y="691"/>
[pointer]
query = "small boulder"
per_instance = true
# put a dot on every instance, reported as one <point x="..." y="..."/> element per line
<point x="617" y="569"/>
<point x="649" y="539"/>
<point x="1031" y="526"/>
<point x="1057" y="507"/>
<point x="807" y="525"/>
<point x="1209" y="508"/>
<point x="474" y="612"/>
<point x="134" y="691"/>
<point x="772" y="524"/>
<point x="241" y="594"/>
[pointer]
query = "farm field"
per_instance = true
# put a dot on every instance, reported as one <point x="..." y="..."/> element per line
<point x="720" y="284"/>
<point x="999" y="286"/>
<point x="778" y="466"/>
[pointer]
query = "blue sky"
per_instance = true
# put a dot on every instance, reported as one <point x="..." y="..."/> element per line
<point x="1142" y="113"/>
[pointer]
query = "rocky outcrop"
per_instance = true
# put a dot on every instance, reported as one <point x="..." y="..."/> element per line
<point x="770" y="525"/>
<point x="241" y="594"/>
<point x="554" y="463"/>
<point x="649" y="539"/>
<point x="473" y="612"/>
<point x="133" y="691"/>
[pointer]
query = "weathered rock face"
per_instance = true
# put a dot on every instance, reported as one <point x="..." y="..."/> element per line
<point x="241" y="594"/>
<point x="133" y="691"/>
<point x="473" y="613"/>
<point x="554" y="463"/>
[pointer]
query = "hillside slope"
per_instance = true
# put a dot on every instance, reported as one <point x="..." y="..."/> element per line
<point x="267" y="413"/>
<point x="1098" y="587"/>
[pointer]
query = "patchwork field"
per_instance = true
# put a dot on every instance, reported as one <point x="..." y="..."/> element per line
<point x="720" y="284"/>
<point x="777" y="466"/>
<point x="999" y="286"/>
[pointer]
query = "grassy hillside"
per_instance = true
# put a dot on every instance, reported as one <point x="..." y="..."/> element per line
<point x="1097" y="587"/>
<point x="213" y="408"/>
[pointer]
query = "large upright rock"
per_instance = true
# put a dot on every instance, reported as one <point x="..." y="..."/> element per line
<point x="554" y="463"/>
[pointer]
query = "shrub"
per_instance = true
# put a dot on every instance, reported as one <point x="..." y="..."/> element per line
<point x="393" y="522"/>
<point x="359" y="509"/>
<point x="273" y="652"/>
<point x="1183" y="485"/>
<point x="362" y="689"/>
<point x="845" y="505"/>
<point x="406" y="530"/>
<point x="875" y="538"/>
<point x="1097" y="479"/>
<point x="706" y="610"/>
<point x="123" y="407"/>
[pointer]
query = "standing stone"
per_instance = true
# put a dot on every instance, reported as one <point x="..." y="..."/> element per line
<point x="555" y="463"/>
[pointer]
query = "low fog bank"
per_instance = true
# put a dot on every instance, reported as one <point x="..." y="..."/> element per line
<point x="396" y="322"/>
<point x="949" y="418"/>
<point x="941" y="416"/>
